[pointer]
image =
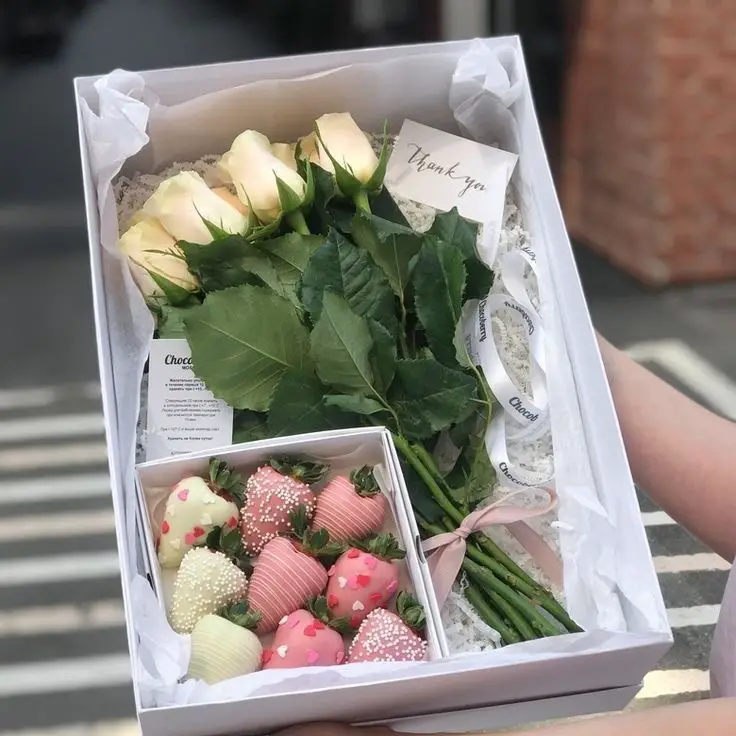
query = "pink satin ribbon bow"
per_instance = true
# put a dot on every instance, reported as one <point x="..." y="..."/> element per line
<point x="448" y="550"/>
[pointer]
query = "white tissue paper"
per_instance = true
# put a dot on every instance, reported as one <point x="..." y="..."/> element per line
<point x="132" y="130"/>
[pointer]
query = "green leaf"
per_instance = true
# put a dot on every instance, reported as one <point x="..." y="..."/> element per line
<point x="325" y="191"/>
<point x="355" y="404"/>
<point x="473" y="476"/>
<point x="289" y="256"/>
<point x="249" y="426"/>
<point x="341" y="343"/>
<point x="382" y="356"/>
<point x="232" y="261"/>
<point x="175" y="295"/>
<point x="306" y="471"/>
<point x="377" y="177"/>
<point x="439" y="281"/>
<point x="288" y="198"/>
<point x="243" y="341"/>
<point x="299" y="406"/>
<point x="422" y="500"/>
<point x="170" y="324"/>
<point x="429" y="397"/>
<point x="455" y="230"/>
<point x="345" y="269"/>
<point x="392" y="247"/>
<point x="384" y="206"/>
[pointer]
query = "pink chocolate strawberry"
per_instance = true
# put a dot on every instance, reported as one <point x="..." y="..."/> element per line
<point x="273" y="492"/>
<point x="195" y="507"/>
<point x="351" y="509"/>
<point x="287" y="573"/>
<point x="391" y="637"/>
<point x="364" y="578"/>
<point x="307" y="638"/>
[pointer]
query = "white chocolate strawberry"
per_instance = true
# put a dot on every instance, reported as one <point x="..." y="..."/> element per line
<point x="194" y="508"/>
<point x="207" y="581"/>
<point x="223" y="647"/>
<point x="391" y="637"/>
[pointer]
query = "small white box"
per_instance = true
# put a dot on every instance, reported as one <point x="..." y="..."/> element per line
<point x="344" y="450"/>
<point x="597" y="670"/>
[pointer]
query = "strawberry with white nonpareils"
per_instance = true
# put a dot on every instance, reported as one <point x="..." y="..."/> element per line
<point x="351" y="508"/>
<point x="223" y="646"/>
<point x="365" y="577"/>
<point x="307" y="638"/>
<point x="391" y="637"/>
<point x="287" y="573"/>
<point x="195" y="507"/>
<point x="207" y="581"/>
<point x="273" y="492"/>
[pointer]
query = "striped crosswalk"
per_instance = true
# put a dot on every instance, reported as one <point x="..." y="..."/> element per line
<point x="62" y="636"/>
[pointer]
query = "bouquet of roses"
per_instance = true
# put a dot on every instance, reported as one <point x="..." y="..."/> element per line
<point x="309" y="303"/>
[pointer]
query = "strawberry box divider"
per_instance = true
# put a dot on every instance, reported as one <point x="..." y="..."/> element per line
<point x="343" y="451"/>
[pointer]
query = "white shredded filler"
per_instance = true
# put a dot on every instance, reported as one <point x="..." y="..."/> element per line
<point x="465" y="631"/>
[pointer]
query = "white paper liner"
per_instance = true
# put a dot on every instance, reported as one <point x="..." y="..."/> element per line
<point x="484" y="87"/>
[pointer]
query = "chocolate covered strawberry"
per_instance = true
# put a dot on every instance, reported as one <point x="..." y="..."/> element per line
<point x="273" y="492"/>
<point x="307" y="638"/>
<point x="206" y="582"/>
<point x="223" y="646"/>
<point x="391" y="637"/>
<point x="287" y="573"/>
<point x="195" y="507"/>
<point x="351" y="508"/>
<point x="364" y="578"/>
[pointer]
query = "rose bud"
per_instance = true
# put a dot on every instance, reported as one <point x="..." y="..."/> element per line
<point x="308" y="148"/>
<point x="262" y="180"/>
<point x="185" y="204"/>
<point x="284" y="152"/>
<point x="151" y="250"/>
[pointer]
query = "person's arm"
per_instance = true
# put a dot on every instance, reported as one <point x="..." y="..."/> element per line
<point x="681" y="455"/>
<point x="711" y="717"/>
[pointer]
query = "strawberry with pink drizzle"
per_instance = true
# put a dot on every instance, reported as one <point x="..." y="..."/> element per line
<point x="195" y="507"/>
<point x="287" y="573"/>
<point x="391" y="637"/>
<point x="273" y="492"/>
<point x="308" y="638"/>
<point x="364" y="578"/>
<point x="351" y="508"/>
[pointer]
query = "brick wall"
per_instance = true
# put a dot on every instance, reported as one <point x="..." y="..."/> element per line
<point x="649" y="136"/>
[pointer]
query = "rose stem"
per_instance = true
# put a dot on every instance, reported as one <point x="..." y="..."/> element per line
<point x="490" y="616"/>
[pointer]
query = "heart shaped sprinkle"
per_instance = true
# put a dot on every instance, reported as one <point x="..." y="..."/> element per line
<point x="284" y="620"/>
<point x="355" y="621"/>
<point x="376" y="597"/>
<point x="266" y="656"/>
<point x="312" y="657"/>
<point x="175" y="544"/>
<point x="232" y="522"/>
<point x="392" y="586"/>
<point x="318" y="625"/>
<point x="310" y="631"/>
<point x="198" y="532"/>
<point x="370" y="562"/>
<point x="364" y="580"/>
<point x="165" y="528"/>
<point x="358" y="606"/>
<point x="353" y="582"/>
<point x="209" y="500"/>
<point x="342" y="582"/>
<point x="189" y="538"/>
<point x="205" y="519"/>
<point x="281" y="651"/>
<point x="332" y="600"/>
<point x="183" y="494"/>
<point x="353" y="553"/>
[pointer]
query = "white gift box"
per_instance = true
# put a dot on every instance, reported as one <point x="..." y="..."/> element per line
<point x="146" y="121"/>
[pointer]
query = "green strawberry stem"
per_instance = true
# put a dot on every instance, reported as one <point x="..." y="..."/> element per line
<point x="230" y="543"/>
<point x="240" y="615"/>
<point x="320" y="609"/>
<point x="411" y="612"/>
<point x="365" y="482"/>
<point x="304" y="470"/>
<point x="226" y="482"/>
<point x="315" y="543"/>
<point x="383" y="546"/>
<point x="488" y="615"/>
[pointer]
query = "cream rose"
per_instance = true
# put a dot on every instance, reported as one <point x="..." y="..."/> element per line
<point x="254" y="169"/>
<point x="284" y="152"/>
<point x="150" y="249"/>
<point x="182" y="203"/>
<point x="308" y="148"/>
<point x="347" y="144"/>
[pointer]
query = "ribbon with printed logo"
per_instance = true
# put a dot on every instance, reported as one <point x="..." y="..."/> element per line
<point x="448" y="549"/>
